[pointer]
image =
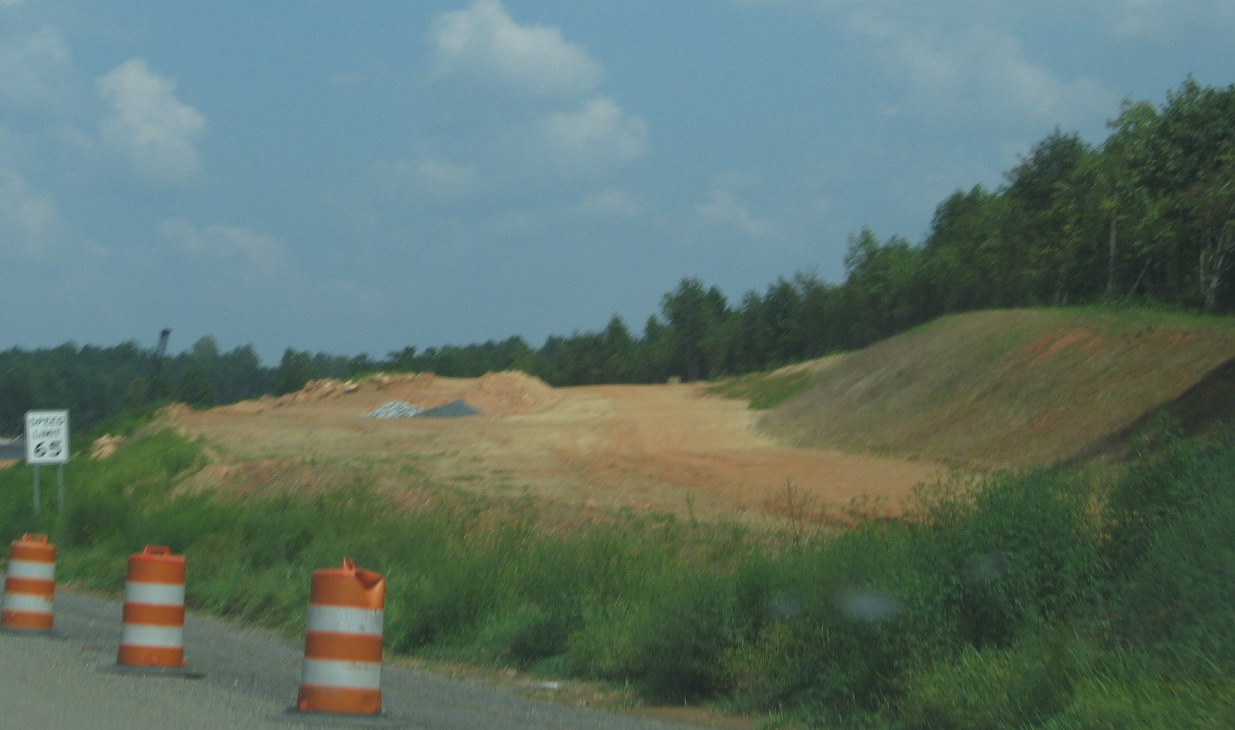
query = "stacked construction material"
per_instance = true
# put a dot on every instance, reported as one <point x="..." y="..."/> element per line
<point x="394" y="409"/>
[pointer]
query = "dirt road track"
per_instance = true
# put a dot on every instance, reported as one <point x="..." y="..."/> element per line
<point x="250" y="679"/>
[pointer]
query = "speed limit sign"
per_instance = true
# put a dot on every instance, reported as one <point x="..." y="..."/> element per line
<point x="47" y="437"/>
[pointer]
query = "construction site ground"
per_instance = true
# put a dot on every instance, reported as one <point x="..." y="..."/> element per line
<point x="579" y="451"/>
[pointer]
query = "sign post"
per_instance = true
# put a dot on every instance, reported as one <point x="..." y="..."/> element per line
<point x="47" y="442"/>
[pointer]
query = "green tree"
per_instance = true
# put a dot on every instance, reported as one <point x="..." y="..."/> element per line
<point x="619" y="353"/>
<point x="694" y="315"/>
<point x="293" y="372"/>
<point x="196" y="388"/>
<point x="1164" y="154"/>
<point x="1211" y="203"/>
<point x="1036" y="251"/>
<point x="965" y="251"/>
<point x="887" y="289"/>
<point x="16" y="397"/>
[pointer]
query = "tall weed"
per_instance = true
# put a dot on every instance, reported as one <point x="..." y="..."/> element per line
<point x="1017" y="551"/>
<point x="1176" y="554"/>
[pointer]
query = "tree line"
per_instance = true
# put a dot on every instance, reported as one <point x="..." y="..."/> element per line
<point x="1145" y="217"/>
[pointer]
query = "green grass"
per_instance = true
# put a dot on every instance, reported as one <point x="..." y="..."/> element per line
<point x="1057" y="598"/>
<point x="763" y="390"/>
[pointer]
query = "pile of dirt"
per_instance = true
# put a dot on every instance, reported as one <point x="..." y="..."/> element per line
<point x="511" y="391"/>
<point x="105" y="445"/>
<point x="320" y="390"/>
<point x="494" y="394"/>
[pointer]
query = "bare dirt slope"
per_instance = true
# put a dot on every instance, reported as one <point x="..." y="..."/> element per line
<point x="665" y="448"/>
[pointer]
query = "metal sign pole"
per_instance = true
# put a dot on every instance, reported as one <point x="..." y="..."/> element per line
<point x="60" y="488"/>
<point x="37" y="496"/>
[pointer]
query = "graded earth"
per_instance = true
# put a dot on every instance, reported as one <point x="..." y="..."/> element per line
<point x="670" y="448"/>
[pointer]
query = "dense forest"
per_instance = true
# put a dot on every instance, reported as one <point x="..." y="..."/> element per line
<point x="1145" y="217"/>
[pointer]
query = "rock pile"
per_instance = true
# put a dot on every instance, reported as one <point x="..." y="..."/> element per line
<point x="394" y="409"/>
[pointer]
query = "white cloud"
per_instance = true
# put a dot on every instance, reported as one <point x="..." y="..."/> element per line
<point x="723" y="208"/>
<point x="964" y="59"/>
<point x="537" y="116"/>
<point x="265" y="254"/>
<point x="953" y="67"/>
<point x="152" y="128"/>
<point x="483" y="43"/>
<point x="28" y="216"/>
<point x="1164" y="19"/>
<point x="441" y="180"/>
<point x="36" y="72"/>
<point x="598" y="134"/>
<point x="33" y="222"/>
<point x="983" y="72"/>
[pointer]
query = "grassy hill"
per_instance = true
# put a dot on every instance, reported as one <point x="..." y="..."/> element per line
<point x="1018" y="387"/>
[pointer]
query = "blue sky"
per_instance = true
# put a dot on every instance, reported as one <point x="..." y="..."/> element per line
<point x="359" y="176"/>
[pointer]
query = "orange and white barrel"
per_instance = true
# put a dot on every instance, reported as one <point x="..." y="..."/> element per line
<point x="153" y="631"/>
<point x="343" y="645"/>
<point x="30" y="585"/>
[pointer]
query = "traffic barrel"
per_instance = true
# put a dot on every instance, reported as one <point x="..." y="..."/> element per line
<point x="30" y="585"/>
<point x="153" y="631"/>
<point x="342" y="670"/>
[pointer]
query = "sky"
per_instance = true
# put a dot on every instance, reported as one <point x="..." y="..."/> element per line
<point x="360" y="176"/>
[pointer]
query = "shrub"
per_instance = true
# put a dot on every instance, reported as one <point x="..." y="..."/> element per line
<point x="841" y="618"/>
<point x="668" y="639"/>
<point x="986" y="689"/>
<point x="1017" y="551"/>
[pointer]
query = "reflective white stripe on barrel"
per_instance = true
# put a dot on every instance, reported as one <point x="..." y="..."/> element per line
<point x="342" y="620"/>
<point x="348" y="675"/>
<point x="152" y="636"/>
<point x="27" y="602"/>
<point x="34" y="570"/>
<point x="154" y="594"/>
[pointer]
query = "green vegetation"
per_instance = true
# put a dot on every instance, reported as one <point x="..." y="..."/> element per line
<point x="1061" y="598"/>
<point x="763" y="390"/>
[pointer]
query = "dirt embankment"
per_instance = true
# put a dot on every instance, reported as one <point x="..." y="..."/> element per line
<point x="665" y="448"/>
<point x="1016" y="388"/>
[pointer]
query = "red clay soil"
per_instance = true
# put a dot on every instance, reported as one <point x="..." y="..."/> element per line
<point x="662" y="448"/>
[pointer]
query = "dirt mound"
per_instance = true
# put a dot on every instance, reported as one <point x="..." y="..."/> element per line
<point x="511" y="392"/>
<point x="105" y="446"/>
<point x="320" y="390"/>
<point x="493" y="394"/>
